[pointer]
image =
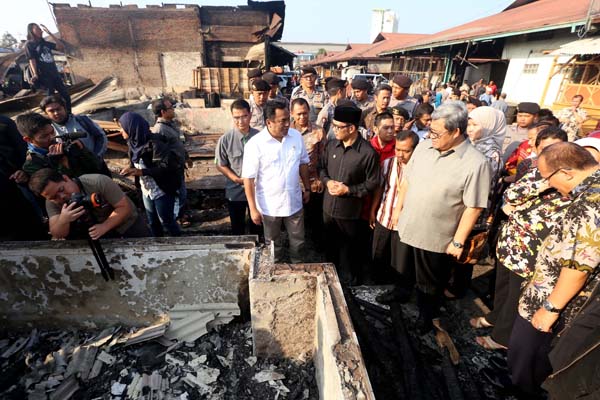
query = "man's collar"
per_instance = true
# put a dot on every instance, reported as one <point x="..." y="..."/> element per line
<point x="38" y="150"/>
<point x="459" y="149"/>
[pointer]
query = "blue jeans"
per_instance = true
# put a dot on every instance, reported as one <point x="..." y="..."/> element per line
<point x="160" y="215"/>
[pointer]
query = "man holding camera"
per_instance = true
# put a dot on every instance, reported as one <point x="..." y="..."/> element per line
<point x="110" y="212"/>
<point x="69" y="157"/>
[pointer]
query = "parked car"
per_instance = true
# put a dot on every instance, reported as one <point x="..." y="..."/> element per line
<point x="374" y="79"/>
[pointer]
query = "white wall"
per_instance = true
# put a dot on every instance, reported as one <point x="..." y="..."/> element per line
<point x="529" y="87"/>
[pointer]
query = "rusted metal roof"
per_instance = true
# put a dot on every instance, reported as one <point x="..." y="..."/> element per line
<point x="537" y="16"/>
<point x="370" y="51"/>
<point x="579" y="47"/>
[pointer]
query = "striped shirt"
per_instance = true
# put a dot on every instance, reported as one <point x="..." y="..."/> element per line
<point x="391" y="172"/>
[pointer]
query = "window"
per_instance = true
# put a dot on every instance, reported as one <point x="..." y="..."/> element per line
<point x="530" y="68"/>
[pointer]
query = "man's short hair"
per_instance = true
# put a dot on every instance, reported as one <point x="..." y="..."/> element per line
<point x="381" y="116"/>
<point x="55" y="98"/>
<point x="240" y="104"/>
<point x="300" y="101"/>
<point x="159" y="105"/>
<point x="40" y="179"/>
<point x="423" y="109"/>
<point x="580" y="96"/>
<point x="31" y="123"/>
<point x="271" y="108"/>
<point x="455" y="116"/>
<point x="383" y="86"/>
<point x="503" y="95"/>
<point x="408" y="135"/>
<point x="551" y="132"/>
<point x="567" y="155"/>
<point x="474" y="100"/>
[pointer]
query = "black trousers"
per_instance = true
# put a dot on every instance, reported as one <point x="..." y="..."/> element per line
<point x="431" y="272"/>
<point x="313" y="218"/>
<point x="506" y="303"/>
<point x="237" y="214"/>
<point x="52" y="83"/>
<point x="381" y="254"/>
<point x="528" y="361"/>
<point x="344" y="247"/>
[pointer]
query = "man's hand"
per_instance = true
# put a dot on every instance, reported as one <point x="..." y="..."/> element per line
<point x="55" y="149"/>
<point x="305" y="196"/>
<point x="453" y="250"/>
<point x="79" y="144"/>
<point x="97" y="231"/>
<point x="239" y="181"/>
<point x="71" y="212"/>
<point x="543" y="320"/>
<point x="336" y="188"/>
<point x="19" y="177"/>
<point x="131" y="171"/>
<point x="256" y="217"/>
<point x="372" y="219"/>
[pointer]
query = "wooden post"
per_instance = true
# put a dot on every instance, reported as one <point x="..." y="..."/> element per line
<point x="547" y="85"/>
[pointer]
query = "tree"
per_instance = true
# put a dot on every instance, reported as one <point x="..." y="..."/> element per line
<point x="7" y="40"/>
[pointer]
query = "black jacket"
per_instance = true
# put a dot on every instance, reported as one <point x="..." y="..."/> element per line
<point x="164" y="162"/>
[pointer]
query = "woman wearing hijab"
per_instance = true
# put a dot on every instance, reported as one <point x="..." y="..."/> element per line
<point x="159" y="165"/>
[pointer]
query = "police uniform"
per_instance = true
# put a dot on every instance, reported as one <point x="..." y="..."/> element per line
<point x="362" y="84"/>
<point x="257" y="119"/>
<point x="515" y="135"/>
<point x="316" y="100"/>
<point x="409" y="103"/>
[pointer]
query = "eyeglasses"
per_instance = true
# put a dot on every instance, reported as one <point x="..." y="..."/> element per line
<point x="435" y="135"/>
<point x="339" y="127"/>
<point x="552" y="174"/>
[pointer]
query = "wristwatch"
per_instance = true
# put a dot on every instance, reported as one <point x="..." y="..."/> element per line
<point x="457" y="245"/>
<point x="550" y="307"/>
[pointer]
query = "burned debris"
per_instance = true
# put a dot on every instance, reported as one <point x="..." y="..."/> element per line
<point x="117" y="364"/>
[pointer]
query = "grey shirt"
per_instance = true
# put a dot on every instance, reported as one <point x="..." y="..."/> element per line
<point x="230" y="153"/>
<point x="441" y="185"/>
<point x="167" y="128"/>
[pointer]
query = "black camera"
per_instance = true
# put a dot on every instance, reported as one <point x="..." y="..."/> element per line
<point x="89" y="202"/>
<point x="67" y="140"/>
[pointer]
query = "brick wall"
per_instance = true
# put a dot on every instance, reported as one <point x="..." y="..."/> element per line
<point x="131" y="43"/>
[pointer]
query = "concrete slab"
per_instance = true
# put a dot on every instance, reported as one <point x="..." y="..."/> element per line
<point x="52" y="284"/>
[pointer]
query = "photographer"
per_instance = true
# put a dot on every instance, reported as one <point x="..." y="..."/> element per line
<point x="69" y="157"/>
<point x="115" y="216"/>
<point x="65" y="122"/>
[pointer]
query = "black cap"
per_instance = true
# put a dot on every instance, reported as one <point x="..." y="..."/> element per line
<point x="529" y="108"/>
<point x="308" y="70"/>
<point x="402" y="81"/>
<point x="335" y="83"/>
<point x="271" y="78"/>
<point x="260" y="86"/>
<point x="348" y="114"/>
<point x="254" y="73"/>
<point x="360" y="84"/>
<point x="398" y="110"/>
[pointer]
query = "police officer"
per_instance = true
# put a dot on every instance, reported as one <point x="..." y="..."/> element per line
<point x="309" y="91"/>
<point x="400" y="86"/>
<point x="360" y="93"/>
<point x="336" y="89"/>
<point x="275" y="94"/>
<point x="527" y="115"/>
<point x="260" y="94"/>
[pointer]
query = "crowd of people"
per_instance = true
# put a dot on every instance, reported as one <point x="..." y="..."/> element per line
<point x="393" y="189"/>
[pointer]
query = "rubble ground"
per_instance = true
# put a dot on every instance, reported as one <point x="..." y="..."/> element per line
<point x="219" y="365"/>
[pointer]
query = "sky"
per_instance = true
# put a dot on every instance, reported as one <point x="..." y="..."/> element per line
<point x="321" y="21"/>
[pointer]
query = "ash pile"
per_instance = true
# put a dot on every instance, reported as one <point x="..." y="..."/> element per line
<point x="157" y="362"/>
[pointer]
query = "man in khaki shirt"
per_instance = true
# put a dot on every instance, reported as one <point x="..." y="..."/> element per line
<point x="446" y="188"/>
<point x="383" y="94"/>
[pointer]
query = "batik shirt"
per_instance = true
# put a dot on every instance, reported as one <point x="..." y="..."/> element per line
<point x="535" y="214"/>
<point x="575" y="244"/>
<point x="568" y="117"/>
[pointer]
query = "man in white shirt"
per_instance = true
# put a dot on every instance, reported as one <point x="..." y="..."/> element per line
<point x="274" y="161"/>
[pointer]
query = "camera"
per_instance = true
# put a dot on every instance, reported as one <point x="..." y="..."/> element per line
<point x="89" y="202"/>
<point x="67" y="140"/>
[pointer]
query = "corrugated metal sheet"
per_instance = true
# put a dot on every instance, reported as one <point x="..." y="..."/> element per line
<point x="579" y="47"/>
<point x="537" y="16"/>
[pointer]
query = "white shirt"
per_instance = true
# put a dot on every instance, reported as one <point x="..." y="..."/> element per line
<point x="275" y="167"/>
